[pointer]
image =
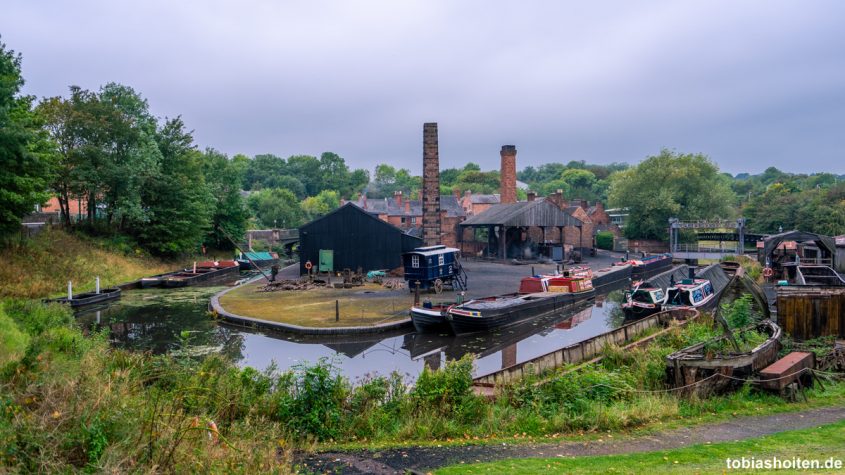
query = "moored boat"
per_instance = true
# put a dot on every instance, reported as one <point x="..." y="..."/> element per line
<point x="538" y="295"/>
<point x="649" y="266"/>
<point x="89" y="298"/>
<point x="260" y="259"/>
<point x="696" y="293"/>
<point x="206" y="271"/>
<point x="431" y="317"/>
<point x="643" y="300"/>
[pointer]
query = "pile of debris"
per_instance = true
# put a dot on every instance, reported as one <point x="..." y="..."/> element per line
<point x="393" y="284"/>
<point x="300" y="284"/>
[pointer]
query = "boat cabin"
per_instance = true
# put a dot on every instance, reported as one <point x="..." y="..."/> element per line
<point x="648" y="295"/>
<point x="554" y="283"/>
<point x="690" y="293"/>
<point x="426" y="264"/>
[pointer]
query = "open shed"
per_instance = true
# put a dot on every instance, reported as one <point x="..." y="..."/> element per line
<point x="508" y="226"/>
<point x="808" y="249"/>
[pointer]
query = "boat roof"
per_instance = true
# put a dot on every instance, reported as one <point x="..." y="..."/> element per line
<point x="695" y="283"/>
<point x="433" y="250"/>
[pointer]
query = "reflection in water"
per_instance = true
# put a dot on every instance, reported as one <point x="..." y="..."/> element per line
<point x="154" y="320"/>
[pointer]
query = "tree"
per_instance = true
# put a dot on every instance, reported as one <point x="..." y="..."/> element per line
<point x="306" y="169"/>
<point x="320" y="205"/>
<point x="179" y="202"/>
<point x="25" y="153"/>
<point x="684" y="186"/>
<point x="275" y="208"/>
<point x="263" y="171"/>
<point x="223" y="178"/>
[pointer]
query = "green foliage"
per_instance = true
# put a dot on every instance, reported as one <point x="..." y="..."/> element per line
<point x="604" y="240"/>
<point x="738" y="313"/>
<point x="320" y="205"/>
<point x="230" y="215"/>
<point x="25" y="154"/>
<point x="448" y="390"/>
<point x="683" y="186"/>
<point x="275" y="207"/>
<point x="179" y="204"/>
<point x="388" y="180"/>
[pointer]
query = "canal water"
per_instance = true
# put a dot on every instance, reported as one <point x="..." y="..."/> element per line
<point x="162" y="320"/>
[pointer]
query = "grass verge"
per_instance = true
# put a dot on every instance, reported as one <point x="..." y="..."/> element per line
<point x="41" y="266"/>
<point x="820" y="443"/>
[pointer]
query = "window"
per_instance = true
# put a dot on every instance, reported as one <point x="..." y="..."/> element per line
<point x="413" y="220"/>
<point x="403" y="221"/>
<point x="440" y="260"/>
<point x="415" y="261"/>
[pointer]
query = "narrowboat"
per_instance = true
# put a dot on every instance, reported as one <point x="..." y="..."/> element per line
<point x="89" y="298"/>
<point x="643" y="300"/>
<point x="649" y="266"/>
<point x="431" y="317"/>
<point x="696" y="293"/>
<point x="207" y="271"/>
<point x="261" y="259"/>
<point x="538" y="295"/>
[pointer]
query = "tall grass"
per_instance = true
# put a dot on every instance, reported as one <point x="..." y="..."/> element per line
<point x="41" y="266"/>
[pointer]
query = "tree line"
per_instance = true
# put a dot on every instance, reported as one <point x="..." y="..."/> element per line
<point x="144" y="177"/>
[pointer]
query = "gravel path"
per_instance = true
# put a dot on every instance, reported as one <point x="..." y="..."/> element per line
<point x="423" y="459"/>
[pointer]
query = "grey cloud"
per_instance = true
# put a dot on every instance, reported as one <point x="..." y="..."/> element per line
<point x="751" y="84"/>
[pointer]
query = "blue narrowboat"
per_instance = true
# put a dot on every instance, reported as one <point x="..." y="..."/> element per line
<point x="433" y="267"/>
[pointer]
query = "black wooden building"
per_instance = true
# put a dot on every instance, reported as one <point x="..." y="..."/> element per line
<point x="356" y="239"/>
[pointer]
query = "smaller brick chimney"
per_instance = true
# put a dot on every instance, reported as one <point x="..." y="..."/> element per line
<point x="364" y="200"/>
<point x="408" y="207"/>
<point x="584" y="205"/>
<point x="457" y="193"/>
<point x="508" y="174"/>
<point x="397" y="196"/>
<point x="531" y="195"/>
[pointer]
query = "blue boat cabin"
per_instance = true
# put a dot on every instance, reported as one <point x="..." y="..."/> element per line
<point x="427" y="264"/>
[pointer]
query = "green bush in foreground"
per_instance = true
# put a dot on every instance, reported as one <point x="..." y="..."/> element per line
<point x="70" y="403"/>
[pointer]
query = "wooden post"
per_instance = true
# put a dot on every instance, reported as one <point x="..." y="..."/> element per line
<point x="532" y="271"/>
<point x="337" y="310"/>
<point x="417" y="294"/>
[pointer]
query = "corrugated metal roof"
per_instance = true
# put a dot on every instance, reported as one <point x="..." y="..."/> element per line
<point x="484" y="199"/>
<point x="524" y="213"/>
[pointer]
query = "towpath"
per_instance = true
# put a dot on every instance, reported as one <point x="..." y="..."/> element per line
<point x="424" y="459"/>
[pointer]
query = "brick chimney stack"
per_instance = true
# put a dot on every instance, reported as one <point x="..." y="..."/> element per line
<point x="397" y="196"/>
<point x="508" y="174"/>
<point x="431" y="185"/>
<point x="531" y="195"/>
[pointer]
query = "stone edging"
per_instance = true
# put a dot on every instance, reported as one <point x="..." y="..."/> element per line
<point x="215" y="307"/>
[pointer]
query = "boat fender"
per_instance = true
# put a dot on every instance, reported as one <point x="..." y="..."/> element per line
<point x="768" y="272"/>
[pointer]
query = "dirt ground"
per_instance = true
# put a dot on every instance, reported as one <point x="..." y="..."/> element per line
<point x="423" y="459"/>
<point x="372" y="303"/>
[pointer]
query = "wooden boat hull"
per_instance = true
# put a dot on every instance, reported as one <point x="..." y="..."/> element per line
<point x="184" y="279"/>
<point x="491" y="319"/>
<point x="634" y="312"/>
<point x="89" y="298"/>
<point x="429" y="320"/>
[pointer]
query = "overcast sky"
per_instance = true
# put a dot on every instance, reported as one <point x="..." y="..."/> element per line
<point x="752" y="84"/>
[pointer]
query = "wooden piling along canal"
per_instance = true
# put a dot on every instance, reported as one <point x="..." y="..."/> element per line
<point x="808" y="312"/>
<point x="583" y="351"/>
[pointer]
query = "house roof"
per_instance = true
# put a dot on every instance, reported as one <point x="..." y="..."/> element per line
<point x="388" y="206"/>
<point x="484" y="199"/>
<point x="523" y="213"/>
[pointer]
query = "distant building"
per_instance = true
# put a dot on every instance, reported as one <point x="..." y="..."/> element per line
<point x="407" y="214"/>
<point x="618" y="216"/>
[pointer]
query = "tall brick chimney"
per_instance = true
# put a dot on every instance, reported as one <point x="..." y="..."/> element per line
<point x="397" y="196"/>
<point x="431" y="185"/>
<point x="508" y="174"/>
